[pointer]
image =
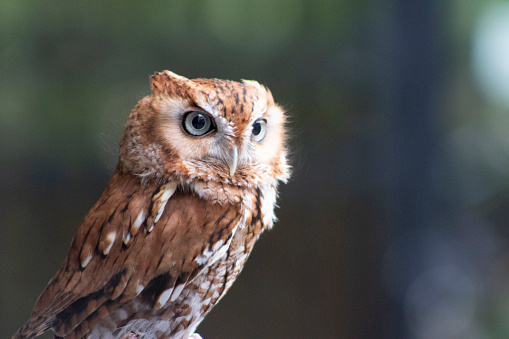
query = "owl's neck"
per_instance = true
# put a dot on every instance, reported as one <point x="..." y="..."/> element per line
<point x="215" y="192"/>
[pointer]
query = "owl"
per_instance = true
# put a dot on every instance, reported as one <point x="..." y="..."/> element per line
<point x="195" y="185"/>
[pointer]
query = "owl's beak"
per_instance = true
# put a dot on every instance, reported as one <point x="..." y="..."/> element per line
<point x="232" y="161"/>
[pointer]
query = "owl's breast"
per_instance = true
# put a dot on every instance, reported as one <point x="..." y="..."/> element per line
<point x="173" y="303"/>
<point x="205" y="291"/>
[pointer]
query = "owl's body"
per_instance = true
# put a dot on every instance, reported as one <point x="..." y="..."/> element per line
<point x="195" y="186"/>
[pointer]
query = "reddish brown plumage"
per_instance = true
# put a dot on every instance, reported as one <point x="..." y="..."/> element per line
<point x="173" y="228"/>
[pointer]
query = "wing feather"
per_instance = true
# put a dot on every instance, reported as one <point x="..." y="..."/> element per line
<point x="182" y="232"/>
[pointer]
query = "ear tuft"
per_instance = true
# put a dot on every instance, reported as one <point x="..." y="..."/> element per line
<point x="261" y="88"/>
<point x="165" y="82"/>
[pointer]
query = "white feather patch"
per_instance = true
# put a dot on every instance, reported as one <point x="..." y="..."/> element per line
<point x="150" y="228"/>
<point x="217" y="245"/>
<point x="111" y="239"/>
<point x="121" y="314"/>
<point x="167" y="191"/>
<point x="268" y="203"/>
<point x="126" y="238"/>
<point x="204" y="257"/>
<point x="140" y="288"/>
<point x="163" y="298"/>
<point x="176" y="292"/>
<point x="220" y="251"/>
<point x="210" y="256"/>
<point x="137" y="223"/>
<point x="85" y="261"/>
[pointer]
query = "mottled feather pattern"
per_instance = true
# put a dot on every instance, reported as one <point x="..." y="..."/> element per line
<point x="175" y="225"/>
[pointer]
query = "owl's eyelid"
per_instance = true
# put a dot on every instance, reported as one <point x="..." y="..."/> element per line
<point x="259" y="119"/>
<point x="196" y="109"/>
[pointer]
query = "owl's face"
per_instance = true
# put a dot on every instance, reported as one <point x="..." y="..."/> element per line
<point x="208" y="130"/>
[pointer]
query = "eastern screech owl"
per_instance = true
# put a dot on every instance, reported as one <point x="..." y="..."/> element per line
<point x="195" y="186"/>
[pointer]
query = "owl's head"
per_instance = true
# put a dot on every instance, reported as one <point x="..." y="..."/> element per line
<point x="206" y="130"/>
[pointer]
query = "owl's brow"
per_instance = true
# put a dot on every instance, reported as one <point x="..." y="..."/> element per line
<point x="212" y="104"/>
<point x="258" y="111"/>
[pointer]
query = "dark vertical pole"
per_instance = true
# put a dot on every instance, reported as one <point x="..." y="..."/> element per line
<point x="409" y="81"/>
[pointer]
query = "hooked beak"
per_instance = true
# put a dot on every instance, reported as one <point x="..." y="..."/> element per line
<point x="232" y="161"/>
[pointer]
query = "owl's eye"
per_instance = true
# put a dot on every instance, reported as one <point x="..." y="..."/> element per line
<point x="197" y="123"/>
<point x="259" y="128"/>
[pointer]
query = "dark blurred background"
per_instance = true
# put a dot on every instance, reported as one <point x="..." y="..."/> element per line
<point x="394" y="222"/>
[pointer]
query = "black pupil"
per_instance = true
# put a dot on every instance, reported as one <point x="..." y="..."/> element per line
<point x="198" y="122"/>
<point x="257" y="128"/>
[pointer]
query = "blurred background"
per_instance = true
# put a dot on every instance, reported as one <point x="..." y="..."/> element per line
<point x="394" y="224"/>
